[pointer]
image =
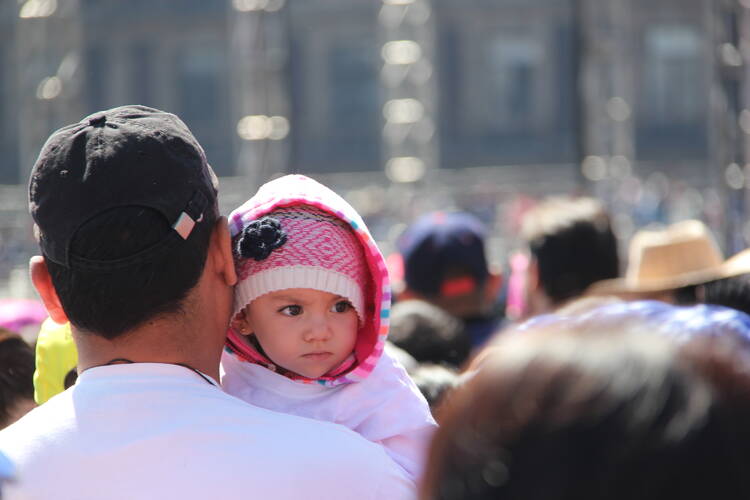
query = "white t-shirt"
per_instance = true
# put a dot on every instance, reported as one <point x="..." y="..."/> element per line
<point x="159" y="431"/>
<point x="386" y="407"/>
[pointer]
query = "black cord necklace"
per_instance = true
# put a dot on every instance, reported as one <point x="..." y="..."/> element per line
<point x="184" y="365"/>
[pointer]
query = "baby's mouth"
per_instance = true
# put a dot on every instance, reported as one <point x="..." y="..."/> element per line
<point x="316" y="356"/>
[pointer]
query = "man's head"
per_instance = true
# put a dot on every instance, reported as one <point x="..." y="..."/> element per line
<point x="571" y="245"/>
<point x="445" y="263"/>
<point x="125" y="205"/>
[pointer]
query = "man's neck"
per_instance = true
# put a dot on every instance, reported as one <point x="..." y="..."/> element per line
<point x="159" y="341"/>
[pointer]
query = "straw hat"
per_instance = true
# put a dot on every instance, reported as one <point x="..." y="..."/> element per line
<point x="680" y="255"/>
<point x="737" y="264"/>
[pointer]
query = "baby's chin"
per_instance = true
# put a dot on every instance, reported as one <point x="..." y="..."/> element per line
<point x="313" y="372"/>
<point x="316" y="368"/>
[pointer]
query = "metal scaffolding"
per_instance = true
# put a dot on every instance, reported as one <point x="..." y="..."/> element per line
<point x="727" y="143"/>
<point x="409" y="139"/>
<point x="49" y="43"/>
<point x="259" y="51"/>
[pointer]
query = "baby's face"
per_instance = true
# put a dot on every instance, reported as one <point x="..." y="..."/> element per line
<point x="306" y="331"/>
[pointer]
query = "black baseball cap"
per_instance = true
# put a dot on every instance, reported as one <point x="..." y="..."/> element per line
<point x="130" y="156"/>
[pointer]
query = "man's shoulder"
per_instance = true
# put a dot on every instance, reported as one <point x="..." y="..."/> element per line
<point x="108" y="423"/>
<point x="37" y="433"/>
<point x="225" y="440"/>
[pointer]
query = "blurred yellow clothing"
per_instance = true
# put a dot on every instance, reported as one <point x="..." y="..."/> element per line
<point x="56" y="355"/>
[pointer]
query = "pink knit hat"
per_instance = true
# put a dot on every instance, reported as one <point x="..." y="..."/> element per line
<point x="299" y="246"/>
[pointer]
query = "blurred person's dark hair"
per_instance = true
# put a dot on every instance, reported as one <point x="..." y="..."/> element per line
<point x="600" y="406"/>
<point x="731" y="292"/>
<point x="16" y="377"/>
<point x="154" y="288"/>
<point x="445" y="263"/>
<point x="70" y="378"/>
<point x="732" y="289"/>
<point x="428" y="333"/>
<point x="572" y="246"/>
<point x="434" y="382"/>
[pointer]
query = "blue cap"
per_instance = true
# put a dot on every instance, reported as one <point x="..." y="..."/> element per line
<point x="444" y="254"/>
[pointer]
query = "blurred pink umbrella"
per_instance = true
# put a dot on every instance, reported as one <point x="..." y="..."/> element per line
<point x="21" y="316"/>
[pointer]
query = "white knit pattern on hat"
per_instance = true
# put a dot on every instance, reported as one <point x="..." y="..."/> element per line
<point x="283" y="278"/>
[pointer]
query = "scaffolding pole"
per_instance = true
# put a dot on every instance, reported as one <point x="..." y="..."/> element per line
<point x="259" y="51"/>
<point x="409" y="139"/>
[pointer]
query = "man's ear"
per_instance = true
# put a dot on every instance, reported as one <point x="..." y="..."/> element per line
<point x="42" y="281"/>
<point x="220" y="251"/>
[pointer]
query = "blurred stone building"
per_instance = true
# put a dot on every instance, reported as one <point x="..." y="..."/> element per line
<point x="512" y="82"/>
<point x="466" y="101"/>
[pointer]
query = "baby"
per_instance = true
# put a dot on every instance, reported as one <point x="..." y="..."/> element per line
<point x="311" y="317"/>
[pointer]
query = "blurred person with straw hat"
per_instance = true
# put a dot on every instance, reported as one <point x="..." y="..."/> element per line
<point x="679" y="264"/>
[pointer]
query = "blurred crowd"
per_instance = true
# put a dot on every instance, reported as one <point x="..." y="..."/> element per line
<point x="560" y="374"/>
<point x="556" y="332"/>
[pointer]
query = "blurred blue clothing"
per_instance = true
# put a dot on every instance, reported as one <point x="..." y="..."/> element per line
<point x="7" y="471"/>
<point x="681" y="323"/>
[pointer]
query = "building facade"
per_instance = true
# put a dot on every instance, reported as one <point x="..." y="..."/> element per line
<point x="509" y="82"/>
<point x="438" y="102"/>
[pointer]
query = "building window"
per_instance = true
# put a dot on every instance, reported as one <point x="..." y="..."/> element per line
<point x="673" y="102"/>
<point x="512" y="84"/>
<point x="335" y="98"/>
<point x="142" y="74"/>
<point x="673" y="71"/>
<point x="505" y="91"/>
<point x="352" y="102"/>
<point x="201" y="101"/>
<point x="96" y="74"/>
<point x="9" y="174"/>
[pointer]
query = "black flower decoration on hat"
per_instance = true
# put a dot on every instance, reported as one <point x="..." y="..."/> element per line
<point x="260" y="238"/>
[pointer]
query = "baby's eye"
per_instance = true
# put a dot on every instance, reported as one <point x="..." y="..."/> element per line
<point x="341" y="306"/>
<point x="292" y="310"/>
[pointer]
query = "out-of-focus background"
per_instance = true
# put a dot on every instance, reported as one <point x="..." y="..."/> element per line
<point x="404" y="106"/>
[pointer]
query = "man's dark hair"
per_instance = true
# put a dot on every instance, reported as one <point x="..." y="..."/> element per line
<point x="429" y="334"/>
<point x="16" y="373"/>
<point x="111" y="303"/>
<point x="573" y="244"/>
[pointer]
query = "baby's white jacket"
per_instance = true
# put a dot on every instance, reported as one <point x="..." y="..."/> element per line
<point x="385" y="408"/>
